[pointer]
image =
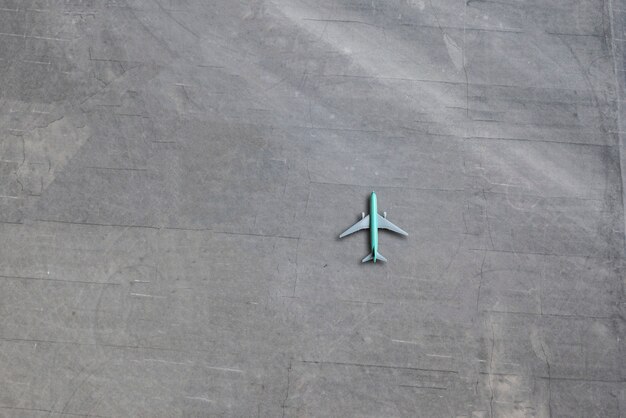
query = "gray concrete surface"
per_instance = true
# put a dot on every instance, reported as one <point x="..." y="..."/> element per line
<point x="174" y="175"/>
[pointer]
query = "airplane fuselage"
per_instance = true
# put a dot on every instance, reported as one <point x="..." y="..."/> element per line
<point x="373" y="225"/>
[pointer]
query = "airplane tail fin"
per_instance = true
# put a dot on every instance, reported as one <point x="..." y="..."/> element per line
<point x="370" y="257"/>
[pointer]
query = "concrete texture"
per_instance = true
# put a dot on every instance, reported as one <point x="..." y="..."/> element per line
<point x="174" y="175"/>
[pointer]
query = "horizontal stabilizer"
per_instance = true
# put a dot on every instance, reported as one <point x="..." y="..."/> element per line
<point x="370" y="257"/>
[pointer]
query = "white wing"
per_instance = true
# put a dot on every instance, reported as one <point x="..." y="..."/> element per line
<point x="385" y="224"/>
<point x="362" y="224"/>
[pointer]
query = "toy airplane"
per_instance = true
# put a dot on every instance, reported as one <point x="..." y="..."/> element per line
<point x="373" y="221"/>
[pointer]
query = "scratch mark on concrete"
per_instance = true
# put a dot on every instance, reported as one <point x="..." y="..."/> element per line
<point x="142" y="295"/>
<point x="405" y="342"/>
<point x="226" y="369"/>
<point x="423" y="387"/>
<point x="199" y="398"/>
<point x="493" y="343"/>
<point x="378" y="366"/>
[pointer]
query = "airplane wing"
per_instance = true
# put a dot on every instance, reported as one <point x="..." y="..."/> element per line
<point x="385" y="224"/>
<point x="362" y="224"/>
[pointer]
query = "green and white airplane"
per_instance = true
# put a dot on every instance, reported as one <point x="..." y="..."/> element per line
<point x="373" y="221"/>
